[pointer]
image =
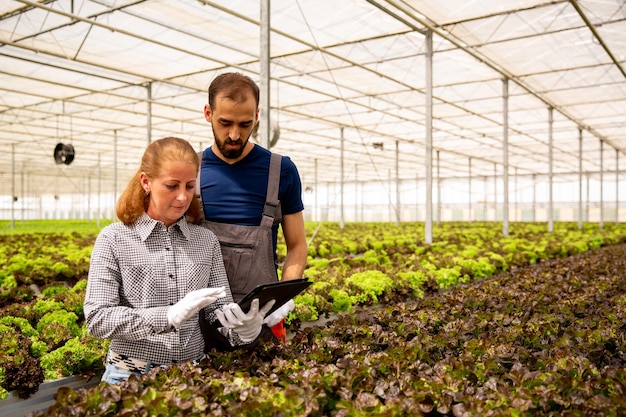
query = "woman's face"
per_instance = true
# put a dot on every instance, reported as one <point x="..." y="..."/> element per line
<point x="172" y="192"/>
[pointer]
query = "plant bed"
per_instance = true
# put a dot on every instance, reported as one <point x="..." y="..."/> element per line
<point x="43" y="276"/>
<point x="545" y="340"/>
<point x="14" y="406"/>
<point x="42" y="281"/>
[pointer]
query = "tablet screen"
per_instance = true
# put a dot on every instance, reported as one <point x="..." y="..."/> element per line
<point x="281" y="291"/>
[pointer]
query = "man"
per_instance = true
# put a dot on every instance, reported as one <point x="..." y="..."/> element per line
<point x="234" y="180"/>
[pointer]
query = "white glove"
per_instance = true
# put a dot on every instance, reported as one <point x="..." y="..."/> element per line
<point x="280" y="313"/>
<point x="246" y="325"/>
<point x="191" y="304"/>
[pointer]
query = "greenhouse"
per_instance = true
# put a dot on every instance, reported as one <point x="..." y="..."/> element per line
<point x="462" y="173"/>
<point x="480" y="112"/>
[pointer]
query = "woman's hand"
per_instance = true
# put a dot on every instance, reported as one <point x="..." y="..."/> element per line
<point x="246" y="325"/>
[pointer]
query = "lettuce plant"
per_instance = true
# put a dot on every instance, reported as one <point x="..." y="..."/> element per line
<point x="372" y="283"/>
<point x="62" y="318"/>
<point x="74" y="357"/>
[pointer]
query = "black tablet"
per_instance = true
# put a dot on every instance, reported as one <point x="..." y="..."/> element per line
<point x="281" y="291"/>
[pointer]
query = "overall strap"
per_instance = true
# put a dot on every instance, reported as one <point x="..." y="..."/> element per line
<point x="271" y="211"/>
<point x="198" y="190"/>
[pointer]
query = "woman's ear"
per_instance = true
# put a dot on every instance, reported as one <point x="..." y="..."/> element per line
<point x="145" y="182"/>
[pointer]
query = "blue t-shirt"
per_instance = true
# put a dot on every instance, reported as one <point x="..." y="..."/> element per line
<point x="235" y="194"/>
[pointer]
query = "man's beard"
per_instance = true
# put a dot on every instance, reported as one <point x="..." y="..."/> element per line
<point x="227" y="152"/>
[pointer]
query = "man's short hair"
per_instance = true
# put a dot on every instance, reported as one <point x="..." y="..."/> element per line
<point x="234" y="86"/>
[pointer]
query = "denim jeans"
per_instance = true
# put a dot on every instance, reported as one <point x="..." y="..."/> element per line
<point x="114" y="374"/>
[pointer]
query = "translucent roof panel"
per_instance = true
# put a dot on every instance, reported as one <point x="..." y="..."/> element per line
<point x="347" y="79"/>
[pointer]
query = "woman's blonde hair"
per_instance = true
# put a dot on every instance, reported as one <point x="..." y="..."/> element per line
<point x="134" y="200"/>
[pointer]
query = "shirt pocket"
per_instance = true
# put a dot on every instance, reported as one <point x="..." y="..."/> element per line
<point x="199" y="276"/>
<point x="144" y="286"/>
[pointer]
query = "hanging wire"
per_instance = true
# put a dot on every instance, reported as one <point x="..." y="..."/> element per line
<point x="364" y="148"/>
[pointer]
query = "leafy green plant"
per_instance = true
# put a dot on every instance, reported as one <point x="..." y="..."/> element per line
<point x="20" y="323"/>
<point x="447" y="277"/>
<point x="523" y="343"/>
<point x="54" y="289"/>
<point x="341" y="301"/>
<point x="305" y="308"/>
<point x="61" y="318"/>
<point x="74" y="357"/>
<point x="375" y="257"/>
<point x="372" y="283"/>
<point x="21" y="370"/>
<point x="3" y="391"/>
<point x="44" y="306"/>
<point x="416" y="280"/>
<point x="477" y="251"/>
<point x="476" y="268"/>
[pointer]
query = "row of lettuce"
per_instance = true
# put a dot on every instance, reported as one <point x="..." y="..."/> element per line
<point x="43" y="279"/>
<point x="546" y="340"/>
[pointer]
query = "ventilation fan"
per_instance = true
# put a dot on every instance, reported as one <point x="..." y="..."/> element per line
<point x="275" y="134"/>
<point x="63" y="154"/>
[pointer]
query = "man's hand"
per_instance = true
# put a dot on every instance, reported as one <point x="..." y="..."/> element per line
<point x="246" y="325"/>
<point x="191" y="304"/>
<point x="280" y="313"/>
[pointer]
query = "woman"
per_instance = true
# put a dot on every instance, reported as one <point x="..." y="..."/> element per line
<point x="152" y="273"/>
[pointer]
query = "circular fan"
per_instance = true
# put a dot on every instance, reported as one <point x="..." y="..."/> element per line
<point x="63" y="154"/>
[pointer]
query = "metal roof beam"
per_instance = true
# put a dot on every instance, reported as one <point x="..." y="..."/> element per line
<point x="593" y="30"/>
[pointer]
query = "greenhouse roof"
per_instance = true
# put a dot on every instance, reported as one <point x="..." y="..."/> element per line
<point x="108" y="76"/>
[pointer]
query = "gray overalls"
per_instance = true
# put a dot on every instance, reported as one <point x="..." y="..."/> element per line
<point x="248" y="250"/>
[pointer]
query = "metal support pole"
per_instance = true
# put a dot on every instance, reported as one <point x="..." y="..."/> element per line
<point x="588" y="200"/>
<point x="316" y="216"/>
<point x="89" y="198"/>
<point x="356" y="193"/>
<point x="616" y="186"/>
<point x="341" y="182"/>
<point x="428" y="225"/>
<point x="114" y="171"/>
<point x="469" y="198"/>
<point x="12" y="186"/>
<point x="397" y="184"/>
<point x="264" y="74"/>
<point x="601" y="184"/>
<point x="515" y="197"/>
<point x="495" y="192"/>
<point x="328" y="193"/>
<point x="550" y="170"/>
<point x="438" y="189"/>
<point x="580" y="179"/>
<point x="390" y="205"/>
<point x="417" y="196"/>
<point x="22" y="198"/>
<point x="361" y="199"/>
<point x="99" y="192"/>
<point x="534" y="197"/>
<point x="505" y="157"/>
<point x="149" y="112"/>
<point x="485" y="198"/>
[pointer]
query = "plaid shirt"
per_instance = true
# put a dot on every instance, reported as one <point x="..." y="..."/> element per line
<point x="136" y="272"/>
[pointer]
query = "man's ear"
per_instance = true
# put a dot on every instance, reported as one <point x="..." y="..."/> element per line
<point x="207" y="113"/>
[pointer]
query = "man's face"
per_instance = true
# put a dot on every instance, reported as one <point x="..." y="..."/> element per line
<point x="232" y="123"/>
